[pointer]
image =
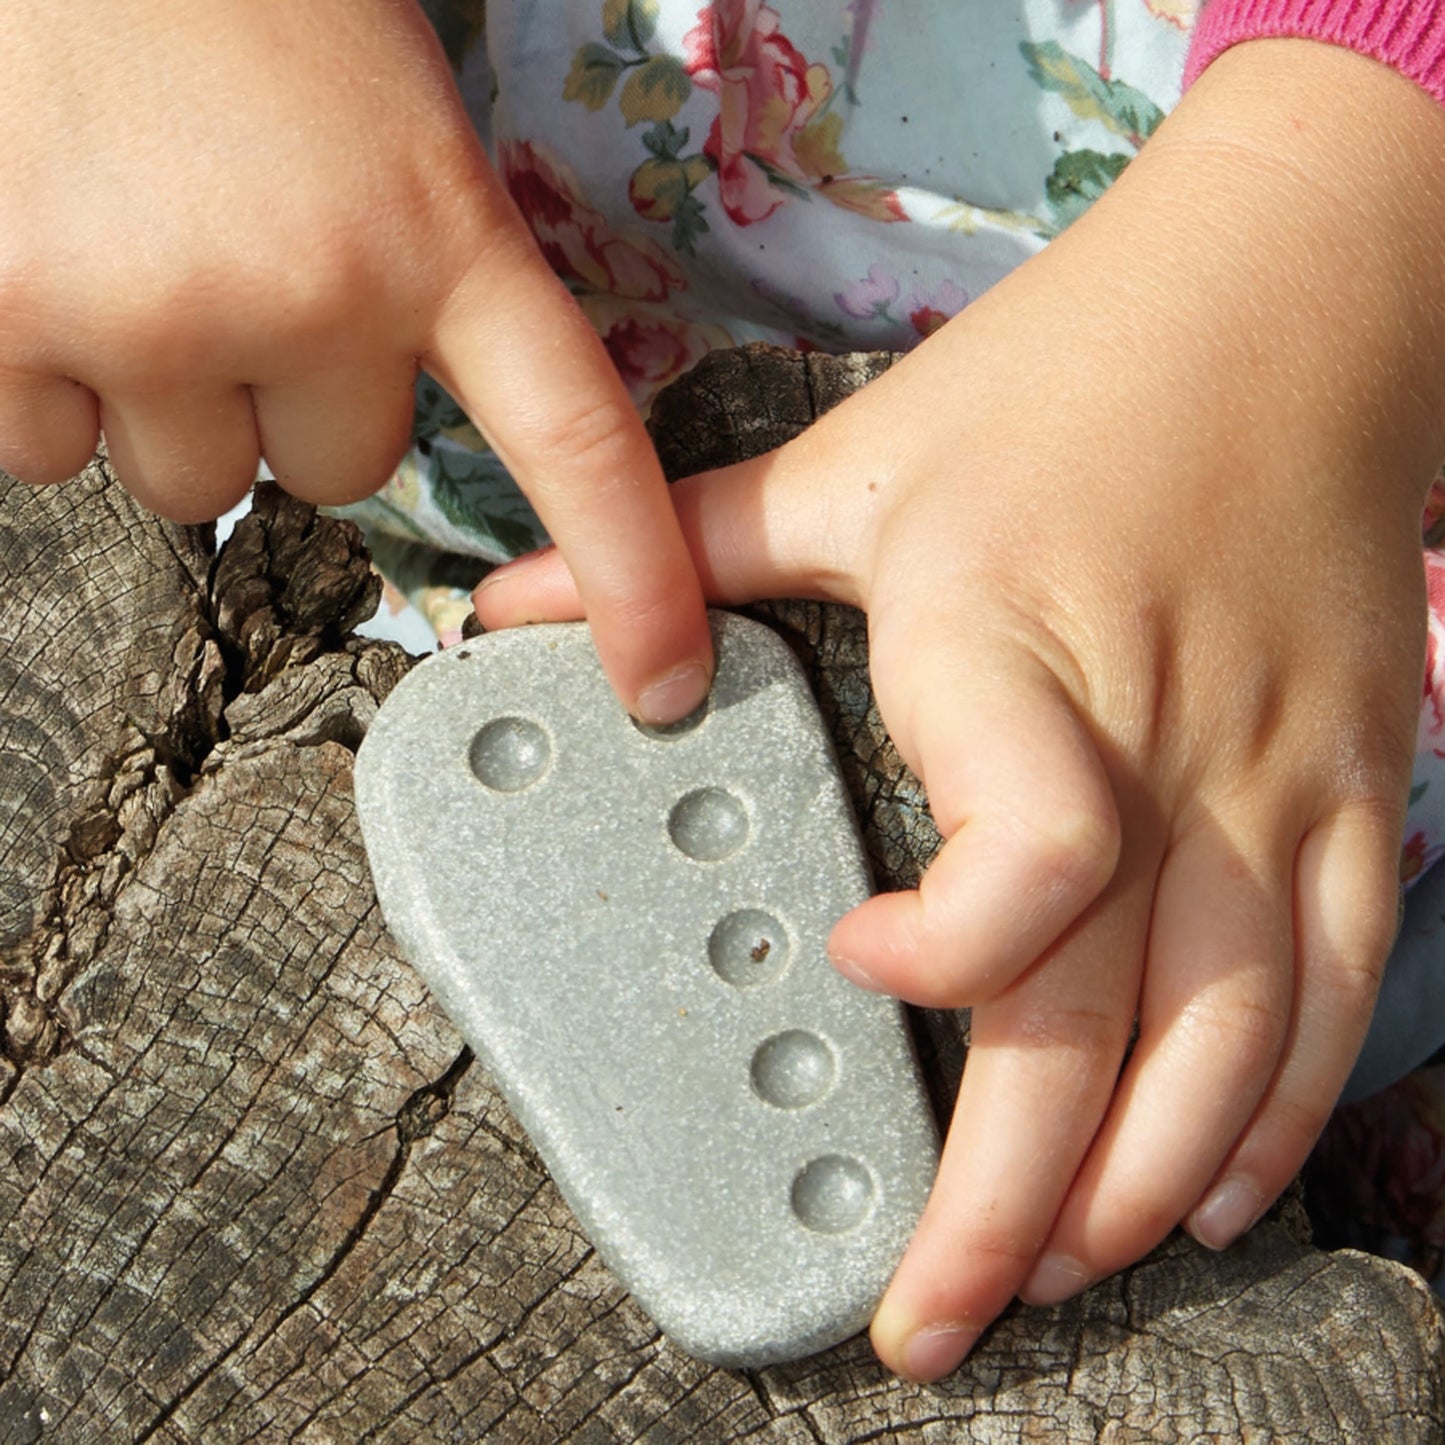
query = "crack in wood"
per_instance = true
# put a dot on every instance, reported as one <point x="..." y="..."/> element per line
<point x="234" y="1138"/>
<point x="418" y="1116"/>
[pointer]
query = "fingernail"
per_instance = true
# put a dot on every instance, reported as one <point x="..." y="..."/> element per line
<point x="514" y="568"/>
<point x="856" y="973"/>
<point x="1227" y="1213"/>
<point x="1056" y="1277"/>
<point x="935" y="1351"/>
<point x="672" y="697"/>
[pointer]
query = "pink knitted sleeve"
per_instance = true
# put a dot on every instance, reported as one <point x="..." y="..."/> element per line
<point x="1406" y="34"/>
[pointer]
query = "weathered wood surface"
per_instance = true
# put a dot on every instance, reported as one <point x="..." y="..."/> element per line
<point x="254" y="1188"/>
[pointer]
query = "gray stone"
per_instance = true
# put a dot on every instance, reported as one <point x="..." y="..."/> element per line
<point x="629" y="928"/>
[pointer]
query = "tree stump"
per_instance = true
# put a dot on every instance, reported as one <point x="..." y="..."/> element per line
<point x="255" y="1188"/>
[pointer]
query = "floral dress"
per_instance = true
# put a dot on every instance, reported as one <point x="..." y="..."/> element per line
<point x="837" y="174"/>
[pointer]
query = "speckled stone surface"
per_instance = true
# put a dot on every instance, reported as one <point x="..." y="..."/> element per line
<point x="629" y="929"/>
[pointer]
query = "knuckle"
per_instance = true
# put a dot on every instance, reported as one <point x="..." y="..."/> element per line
<point x="1076" y="1029"/>
<point x="639" y="613"/>
<point x="328" y="487"/>
<point x="28" y="323"/>
<point x="994" y="1250"/>
<point x="13" y="300"/>
<point x="1299" y="1120"/>
<point x="1076" y="846"/>
<point x="46" y="468"/>
<point x="311" y="302"/>
<point x="1144" y="1215"/>
<point x="1248" y="1031"/>
<point x="599" y="438"/>
<point x="1359" y="974"/>
<point x="47" y="434"/>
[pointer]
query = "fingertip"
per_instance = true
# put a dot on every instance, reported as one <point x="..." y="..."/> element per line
<point x="540" y="588"/>
<point x="1055" y="1278"/>
<point x="189" y="508"/>
<point x="875" y="946"/>
<point x="923" y="1352"/>
<point x="654" y="640"/>
<point x="673" y="687"/>
<point x="537" y="587"/>
<point x="49" y="470"/>
<point x="49" y="428"/>
<point x="1228" y="1211"/>
<point x="674" y="695"/>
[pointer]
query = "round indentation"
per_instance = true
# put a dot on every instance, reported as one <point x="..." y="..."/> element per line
<point x="708" y="825"/>
<point x="670" y="732"/>
<point x="833" y="1194"/>
<point x="510" y="754"/>
<point x="793" y="1069"/>
<point x="748" y="948"/>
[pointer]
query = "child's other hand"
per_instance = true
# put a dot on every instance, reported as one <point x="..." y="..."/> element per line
<point x="1138" y="538"/>
<point x="229" y="232"/>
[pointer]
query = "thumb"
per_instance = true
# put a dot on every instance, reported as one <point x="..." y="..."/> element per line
<point x="768" y="527"/>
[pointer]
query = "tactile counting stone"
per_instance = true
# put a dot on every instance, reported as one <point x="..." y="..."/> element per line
<point x="629" y="928"/>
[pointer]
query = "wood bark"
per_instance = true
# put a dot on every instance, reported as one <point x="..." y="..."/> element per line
<point x="254" y="1187"/>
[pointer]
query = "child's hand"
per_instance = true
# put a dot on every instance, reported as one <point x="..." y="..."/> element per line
<point x="1138" y="537"/>
<point x="233" y="231"/>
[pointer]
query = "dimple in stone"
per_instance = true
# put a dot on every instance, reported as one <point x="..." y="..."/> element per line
<point x="510" y="754"/>
<point x="833" y="1194"/>
<point x="708" y="825"/>
<point x="748" y="948"/>
<point x="793" y="1069"/>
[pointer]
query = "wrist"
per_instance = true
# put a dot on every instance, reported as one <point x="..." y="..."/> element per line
<point x="1408" y="35"/>
<point x="1293" y="211"/>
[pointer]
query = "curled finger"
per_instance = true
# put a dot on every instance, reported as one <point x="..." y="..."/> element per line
<point x="185" y="455"/>
<point x="1031" y="828"/>
<point x="49" y="427"/>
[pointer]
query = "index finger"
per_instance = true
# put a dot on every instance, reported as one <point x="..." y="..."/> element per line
<point x="515" y="350"/>
<point x="1041" y="1067"/>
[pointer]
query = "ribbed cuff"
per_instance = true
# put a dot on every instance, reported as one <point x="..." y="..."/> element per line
<point x="1406" y="34"/>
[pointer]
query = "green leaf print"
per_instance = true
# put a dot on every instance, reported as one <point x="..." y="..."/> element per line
<point x="1126" y="111"/>
<point x="688" y="223"/>
<point x="1078" y="179"/>
<point x="629" y="24"/>
<point x="458" y="24"/>
<point x="656" y="91"/>
<point x="665" y="140"/>
<point x="593" y="76"/>
<point x="434" y="410"/>
<point x="459" y="498"/>
<point x="1418" y="791"/>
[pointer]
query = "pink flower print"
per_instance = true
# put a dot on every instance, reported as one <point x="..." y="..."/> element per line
<point x="1412" y="857"/>
<point x="1435" y="581"/>
<point x="774" y="132"/>
<point x="1415" y="1179"/>
<point x="870" y="298"/>
<point x="1430" y="528"/>
<point x="1432" y="714"/>
<point x="649" y="345"/>
<point x="767" y="93"/>
<point x="926" y="313"/>
<point x="576" y="240"/>
<point x="1177" y="12"/>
